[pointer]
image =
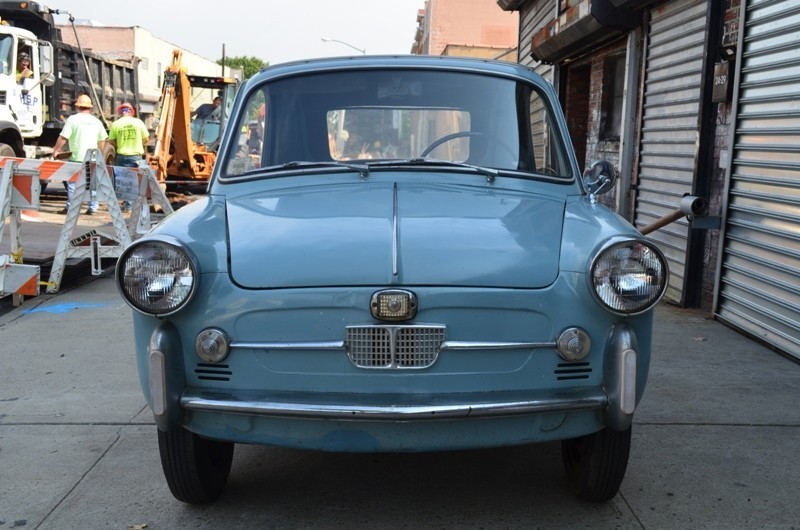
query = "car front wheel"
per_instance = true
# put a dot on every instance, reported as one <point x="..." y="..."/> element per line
<point x="196" y="468"/>
<point x="596" y="463"/>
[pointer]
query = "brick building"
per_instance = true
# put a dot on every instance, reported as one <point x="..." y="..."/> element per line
<point x="474" y="28"/>
<point x="691" y="97"/>
<point x="151" y="54"/>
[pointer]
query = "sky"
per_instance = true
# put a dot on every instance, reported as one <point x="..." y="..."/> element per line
<point x="274" y="31"/>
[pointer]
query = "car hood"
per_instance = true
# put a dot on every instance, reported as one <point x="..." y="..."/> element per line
<point x="394" y="233"/>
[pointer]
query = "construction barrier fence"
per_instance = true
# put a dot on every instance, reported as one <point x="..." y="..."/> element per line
<point x="20" y="189"/>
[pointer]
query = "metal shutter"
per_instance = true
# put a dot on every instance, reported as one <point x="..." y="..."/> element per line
<point x="759" y="278"/>
<point x="533" y="16"/>
<point x="675" y="50"/>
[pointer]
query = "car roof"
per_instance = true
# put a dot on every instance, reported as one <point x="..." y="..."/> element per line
<point x="370" y="62"/>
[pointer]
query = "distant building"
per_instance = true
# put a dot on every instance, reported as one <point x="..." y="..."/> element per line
<point x="474" y="28"/>
<point x="152" y="54"/>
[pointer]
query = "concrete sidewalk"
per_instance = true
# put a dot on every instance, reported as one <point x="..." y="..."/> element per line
<point x="714" y="443"/>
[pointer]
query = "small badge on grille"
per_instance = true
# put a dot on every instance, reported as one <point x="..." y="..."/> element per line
<point x="393" y="304"/>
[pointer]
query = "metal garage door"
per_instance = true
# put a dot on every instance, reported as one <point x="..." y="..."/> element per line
<point x="534" y="16"/>
<point x="759" y="280"/>
<point x="670" y="123"/>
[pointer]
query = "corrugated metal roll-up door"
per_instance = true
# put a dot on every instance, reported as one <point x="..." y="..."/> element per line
<point x="534" y="16"/>
<point x="675" y="51"/>
<point x="759" y="277"/>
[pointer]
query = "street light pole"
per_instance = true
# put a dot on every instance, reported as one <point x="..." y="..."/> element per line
<point x="328" y="39"/>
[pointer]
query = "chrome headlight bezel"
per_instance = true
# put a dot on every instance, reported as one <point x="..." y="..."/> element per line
<point x="179" y="280"/>
<point x="646" y="276"/>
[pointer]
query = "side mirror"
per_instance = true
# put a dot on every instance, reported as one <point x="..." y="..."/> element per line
<point x="45" y="60"/>
<point x="48" y="80"/>
<point x="599" y="178"/>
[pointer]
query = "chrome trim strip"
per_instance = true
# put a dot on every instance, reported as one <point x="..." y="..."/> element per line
<point x="477" y="345"/>
<point x="319" y="345"/>
<point x="395" y="233"/>
<point x="452" y="345"/>
<point x="469" y="405"/>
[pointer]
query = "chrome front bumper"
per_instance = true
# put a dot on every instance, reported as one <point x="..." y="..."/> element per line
<point x="390" y="407"/>
<point x="615" y="399"/>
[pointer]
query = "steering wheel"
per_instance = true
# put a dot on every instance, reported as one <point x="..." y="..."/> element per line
<point x="444" y="139"/>
<point x="469" y="134"/>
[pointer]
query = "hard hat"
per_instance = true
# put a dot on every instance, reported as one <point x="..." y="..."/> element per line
<point x="83" y="101"/>
<point x="126" y="106"/>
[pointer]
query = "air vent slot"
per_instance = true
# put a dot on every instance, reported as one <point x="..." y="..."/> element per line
<point x="572" y="371"/>
<point x="213" y="372"/>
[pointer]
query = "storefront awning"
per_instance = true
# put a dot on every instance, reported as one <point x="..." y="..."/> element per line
<point x="582" y="26"/>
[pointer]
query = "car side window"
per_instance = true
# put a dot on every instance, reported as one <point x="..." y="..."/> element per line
<point x="248" y="148"/>
<point x="549" y="158"/>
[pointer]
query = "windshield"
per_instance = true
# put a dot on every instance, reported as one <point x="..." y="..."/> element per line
<point x="400" y="115"/>
<point x="6" y="45"/>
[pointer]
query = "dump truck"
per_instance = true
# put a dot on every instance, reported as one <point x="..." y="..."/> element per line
<point x="186" y="145"/>
<point x="33" y="109"/>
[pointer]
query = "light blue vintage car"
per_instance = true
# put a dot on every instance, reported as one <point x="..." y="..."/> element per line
<point x="394" y="254"/>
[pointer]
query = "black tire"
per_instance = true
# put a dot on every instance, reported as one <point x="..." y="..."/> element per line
<point x="109" y="154"/>
<point x="596" y="463"/>
<point x="7" y="150"/>
<point x="196" y="468"/>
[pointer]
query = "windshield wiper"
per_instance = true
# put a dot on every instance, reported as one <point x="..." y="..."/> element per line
<point x="362" y="169"/>
<point x="488" y="172"/>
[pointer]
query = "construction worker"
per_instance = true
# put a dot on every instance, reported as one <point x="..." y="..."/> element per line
<point x="23" y="67"/>
<point x="82" y="132"/>
<point x="129" y="136"/>
<point x="205" y="110"/>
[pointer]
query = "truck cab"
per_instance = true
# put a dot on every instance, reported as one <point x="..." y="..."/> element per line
<point x="33" y="111"/>
<point x="22" y="108"/>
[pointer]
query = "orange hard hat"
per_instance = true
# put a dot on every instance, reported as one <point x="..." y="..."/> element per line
<point x="126" y="106"/>
<point x="84" y="102"/>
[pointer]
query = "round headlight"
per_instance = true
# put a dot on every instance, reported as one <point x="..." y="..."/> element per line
<point x="156" y="277"/>
<point x="629" y="276"/>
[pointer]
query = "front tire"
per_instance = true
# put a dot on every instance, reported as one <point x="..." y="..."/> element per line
<point x="7" y="150"/>
<point x="196" y="468"/>
<point x="596" y="463"/>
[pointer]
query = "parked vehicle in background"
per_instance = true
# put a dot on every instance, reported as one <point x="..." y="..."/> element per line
<point x="32" y="113"/>
<point x="400" y="254"/>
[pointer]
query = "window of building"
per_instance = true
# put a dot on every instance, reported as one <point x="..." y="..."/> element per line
<point x="613" y="92"/>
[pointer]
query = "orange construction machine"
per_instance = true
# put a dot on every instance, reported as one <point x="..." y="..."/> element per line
<point x="186" y="142"/>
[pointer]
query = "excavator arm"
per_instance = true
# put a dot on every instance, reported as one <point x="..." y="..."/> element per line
<point x="176" y="157"/>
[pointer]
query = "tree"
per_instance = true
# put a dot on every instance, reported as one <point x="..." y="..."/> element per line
<point x="249" y="65"/>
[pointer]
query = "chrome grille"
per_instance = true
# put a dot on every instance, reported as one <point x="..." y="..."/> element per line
<point x="399" y="347"/>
